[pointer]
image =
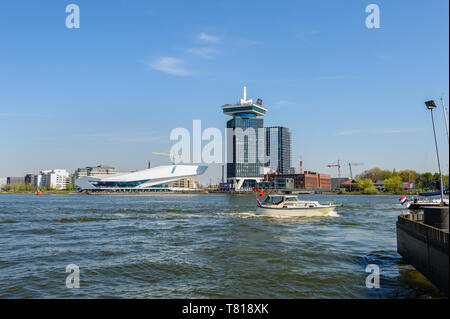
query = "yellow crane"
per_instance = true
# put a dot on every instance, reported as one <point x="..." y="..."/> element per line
<point x="167" y="154"/>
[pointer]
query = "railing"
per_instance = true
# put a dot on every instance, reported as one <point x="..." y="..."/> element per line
<point x="415" y="223"/>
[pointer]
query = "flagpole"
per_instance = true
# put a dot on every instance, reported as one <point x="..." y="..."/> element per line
<point x="445" y="117"/>
<point x="439" y="163"/>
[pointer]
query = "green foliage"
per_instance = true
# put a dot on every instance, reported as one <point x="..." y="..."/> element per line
<point x="369" y="191"/>
<point x="361" y="184"/>
<point x="19" y="188"/>
<point x="422" y="182"/>
<point x="393" y="184"/>
<point x="365" y="186"/>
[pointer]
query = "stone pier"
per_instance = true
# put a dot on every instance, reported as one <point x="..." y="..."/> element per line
<point x="425" y="246"/>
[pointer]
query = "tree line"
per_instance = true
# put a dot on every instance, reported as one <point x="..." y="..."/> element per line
<point x="31" y="188"/>
<point x="393" y="180"/>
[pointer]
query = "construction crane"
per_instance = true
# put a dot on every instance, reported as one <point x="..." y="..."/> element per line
<point x="350" y="167"/>
<point x="338" y="165"/>
<point x="167" y="154"/>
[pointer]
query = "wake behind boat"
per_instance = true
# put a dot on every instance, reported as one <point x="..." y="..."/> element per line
<point x="291" y="206"/>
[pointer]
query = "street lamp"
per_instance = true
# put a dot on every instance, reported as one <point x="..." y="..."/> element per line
<point x="431" y="105"/>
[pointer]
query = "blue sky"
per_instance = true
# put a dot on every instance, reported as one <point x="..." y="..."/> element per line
<point x="111" y="91"/>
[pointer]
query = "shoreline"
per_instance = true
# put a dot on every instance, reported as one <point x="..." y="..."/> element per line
<point x="187" y="193"/>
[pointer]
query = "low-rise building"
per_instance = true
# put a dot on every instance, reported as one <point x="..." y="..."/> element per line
<point x="93" y="171"/>
<point x="306" y="180"/>
<point x="15" y="180"/>
<point x="29" y="178"/>
<point x="283" y="183"/>
<point x="335" y="182"/>
<point x="56" y="178"/>
<point x="186" y="183"/>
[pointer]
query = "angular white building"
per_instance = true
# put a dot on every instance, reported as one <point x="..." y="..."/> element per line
<point x="151" y="178"/>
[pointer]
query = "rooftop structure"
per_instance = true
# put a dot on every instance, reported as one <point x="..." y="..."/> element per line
<point x="245" y="108"/>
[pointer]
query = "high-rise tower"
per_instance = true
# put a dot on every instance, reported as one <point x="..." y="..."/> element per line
<point x="245" y="147"/>
<point x="278" y="149"/>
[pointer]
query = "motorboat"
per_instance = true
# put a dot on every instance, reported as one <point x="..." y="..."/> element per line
<point x="291" y="206"/>
<point x="417" y="203"/>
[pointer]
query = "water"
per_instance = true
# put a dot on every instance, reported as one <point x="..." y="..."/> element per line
<point x="199" y="246"/>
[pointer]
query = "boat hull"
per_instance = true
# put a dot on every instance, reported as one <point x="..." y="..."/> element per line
<point x="295" y="212"/>
<point x="418" y="206"/>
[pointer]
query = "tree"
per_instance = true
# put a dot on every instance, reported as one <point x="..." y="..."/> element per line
<point x="408" y="175"/>
<point x="393" y="184"/>
<point x="365" y="186"/>
<point x="373" y="174"/>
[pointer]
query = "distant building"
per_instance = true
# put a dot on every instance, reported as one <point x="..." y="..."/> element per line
<point x="29" y="178"/>
<point x="379" y="185"/>
<point x="100" y="170"/>
<point x="156" y="178"/>
<point x="186" y="183"/>
<point x="246" y="150"/>
<point x="334" y="182"/>
<point x="15" y="180"/>
<point x="93" y="171"/>
<point x="283" y="183"/>
<point x="278" y="149"/>
<point x="313" y="180"/>
<point x="3" y="180"/>
<point x="307" y="180"/>
<point x="56" y="178"/>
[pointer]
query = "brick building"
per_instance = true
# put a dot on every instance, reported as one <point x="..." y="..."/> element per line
<point x="307" y="180"/>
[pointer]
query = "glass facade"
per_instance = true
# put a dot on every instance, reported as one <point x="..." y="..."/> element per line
<point x="247" y="147"/>
<point x="278" y="149"/>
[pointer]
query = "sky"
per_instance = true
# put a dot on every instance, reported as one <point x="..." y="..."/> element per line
<point x="111" y="91"/>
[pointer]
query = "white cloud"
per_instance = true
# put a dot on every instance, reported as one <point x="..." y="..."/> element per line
<point x="208" y="38"/>
<point x="353" y="132"/>
<point x="203" y="52"/>
<point x="169" y="65"/>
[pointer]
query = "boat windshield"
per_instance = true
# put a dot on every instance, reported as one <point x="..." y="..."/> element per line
<point x="273" y="200"/>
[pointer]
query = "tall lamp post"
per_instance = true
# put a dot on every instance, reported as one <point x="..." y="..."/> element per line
<point x="431" y="105"/>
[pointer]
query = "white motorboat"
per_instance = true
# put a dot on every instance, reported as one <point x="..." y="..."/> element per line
<point x="417" y="203"/>
<point x="291" y="206"/>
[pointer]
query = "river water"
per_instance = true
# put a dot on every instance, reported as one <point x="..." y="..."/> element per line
<point x="199" y="246"/>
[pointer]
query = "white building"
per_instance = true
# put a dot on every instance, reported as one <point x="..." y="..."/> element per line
<point x="56" y="178"/>
<point x="3" y="180"/>
<point x="150" y="178"/>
